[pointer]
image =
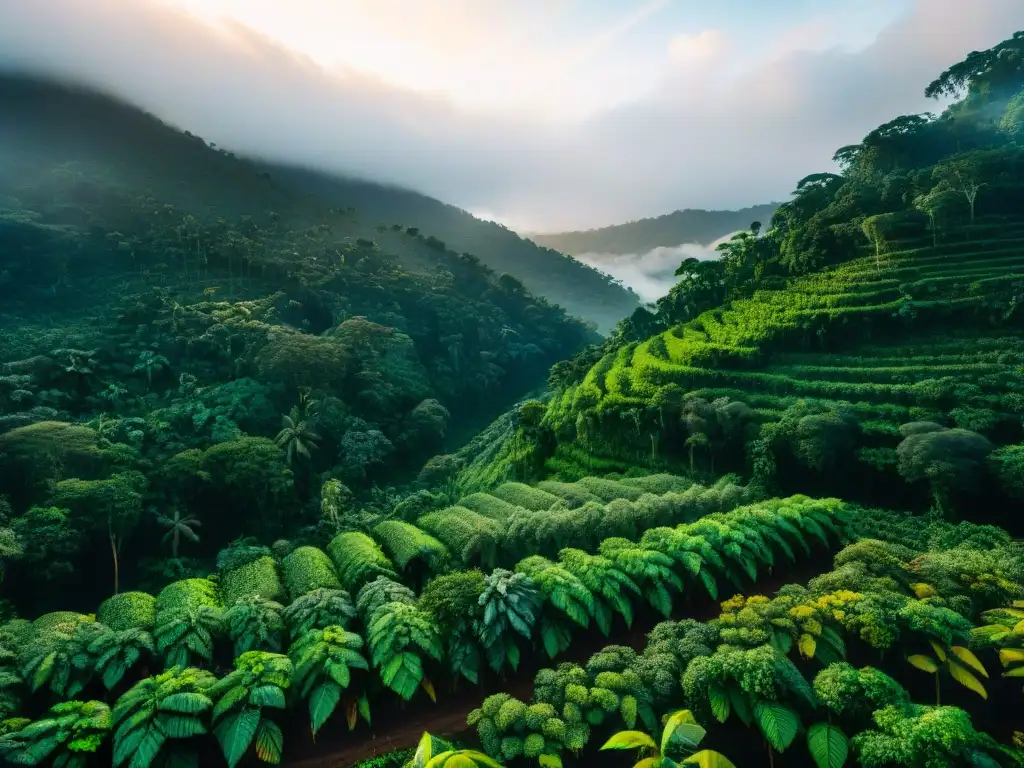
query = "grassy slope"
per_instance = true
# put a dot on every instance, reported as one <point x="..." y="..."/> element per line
<point x="688" y="226"/>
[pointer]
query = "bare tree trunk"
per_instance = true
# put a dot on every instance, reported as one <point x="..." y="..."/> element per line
<point x="113" y="551"/>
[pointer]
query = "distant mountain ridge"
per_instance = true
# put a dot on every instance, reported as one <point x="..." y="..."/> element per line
<point x="692" y="225"/>
<point x="74" y="122"/>
<point x="581" y="289"/>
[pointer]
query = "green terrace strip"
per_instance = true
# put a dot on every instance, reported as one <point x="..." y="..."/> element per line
<point x="312" y="650"/>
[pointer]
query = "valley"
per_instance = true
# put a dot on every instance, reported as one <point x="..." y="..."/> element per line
<point x="305" y="470"/>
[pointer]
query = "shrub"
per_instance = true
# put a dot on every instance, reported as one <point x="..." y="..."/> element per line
<point x="306" y="569"/>
<point x="406" y="543"/>
<point x="258" y="578"/>
<point x="187" y="593"/>
<point x="358" y="560"/>
<point x="128" y="610"/>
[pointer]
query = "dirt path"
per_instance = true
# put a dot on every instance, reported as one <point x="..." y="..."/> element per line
<point x="402" y="728"/>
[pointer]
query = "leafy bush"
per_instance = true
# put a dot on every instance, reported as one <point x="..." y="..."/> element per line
<point x="405" y="543"/>
<point x="358" y="560"/>
<point x="187" y="593"/>
<point x="525" y="496"/>
<point x="255" y="579"/>
<point x="128" y="610"/>
<point x="306" y="569"/>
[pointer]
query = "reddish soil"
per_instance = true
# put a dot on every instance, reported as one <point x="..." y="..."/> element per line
<point x="402" y="727"/>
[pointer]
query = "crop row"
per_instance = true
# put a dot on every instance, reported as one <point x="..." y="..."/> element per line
<point x="307" y="652"/>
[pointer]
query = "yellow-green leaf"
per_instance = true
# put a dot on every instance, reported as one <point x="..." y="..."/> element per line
<point x="968" y="658"/>
<point x="708" y="758"/>
<point x="807" y="645"/>
<point x="650" y="762"/>
<point x="967" y="679"/>
<point x="1010" y="655"/>
<point x="424" y="750"/>
<point x="429" y="688"/>
<point x="1018" y="628"/>
<point x="1015" y="672"/>
<point x="940" y="652"/>
<point x="630" y="740"/>
<point x="550" y="761"/>
<point x="924" y="663"/>
<point x="682" y="725"/>
<point x="922" y="590"/>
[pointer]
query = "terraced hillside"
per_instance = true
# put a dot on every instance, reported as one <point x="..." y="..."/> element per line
<point x="919" y="334"/>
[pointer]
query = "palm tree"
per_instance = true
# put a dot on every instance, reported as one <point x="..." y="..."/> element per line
<point x="680" y="727"/>
<point x="178" y="526"/>
<point x="297" y="435"/>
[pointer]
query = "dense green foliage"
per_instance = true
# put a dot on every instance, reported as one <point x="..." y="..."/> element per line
<point x="857" y="357"/>
<point x="192" y="351"/>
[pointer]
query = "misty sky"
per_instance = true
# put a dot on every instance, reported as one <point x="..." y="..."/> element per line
<point x="543" y="114"/>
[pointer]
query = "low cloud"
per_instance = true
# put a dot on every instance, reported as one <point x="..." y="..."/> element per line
<point x="650" y="274"/>
<point x="709" y="137"/>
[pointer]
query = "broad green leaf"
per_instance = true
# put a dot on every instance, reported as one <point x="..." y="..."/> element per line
<point x="267" y="696"/>
<point x="146" y="753"/>
<point x="741" y="706"/>
<point x="1015" y="672"/>
<point x="681" y="725"/>
<point x="969" y="659"/>
<point x="709" y="583"/>
<point x="185" y="703"/>
<point x="719" y="702"/>
<point x="322" y="703"/>
<point x="940" y="652"/>
<point x="363" y="706"/>
<point x="630" y="740"/>
<point x="828" y="745"/>
<point x="967" y="679"/>
<point x="924" y="663"/>
<point x="550" y="761"/>
<point x="180" y="726"/>
<point x="777" y="722"/>
<point x="269" y="742"/>
<point x="235" y="734"/>
<point x="708" y="758"/>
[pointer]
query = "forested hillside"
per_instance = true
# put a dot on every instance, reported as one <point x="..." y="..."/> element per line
<point x="676" y="228"/>
<point x="179" y="168"/>
<point x="180" y="335"/>
<point x="773" y="521"/>
<point x="583" y="291"/>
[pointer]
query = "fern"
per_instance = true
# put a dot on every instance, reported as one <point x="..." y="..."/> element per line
<point x="258" y="681"/>
<point x="322" y="662"/>
<point x="319" y="609"/>
<point x="158" y="711"/>
<point x="255" y="623"/>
